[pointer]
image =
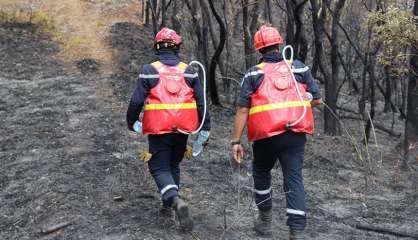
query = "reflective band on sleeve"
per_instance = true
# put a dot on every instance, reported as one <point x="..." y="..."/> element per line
<point x="189" y="75"/>
<point x="254" y="73"/>
<point x="168" y="187"/>
<point x="149" y="75"/>
<point x="164" y="106"/>
<point x="296" y="212"/>
<point x="273" y="106"/>
<point x="263" y="192"/>
<point x="300" y="70"/>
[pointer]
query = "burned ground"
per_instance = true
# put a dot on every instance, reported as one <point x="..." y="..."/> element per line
<point x="66" y="154"/>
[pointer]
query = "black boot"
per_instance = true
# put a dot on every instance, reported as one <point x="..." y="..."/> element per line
<point x="183" y="214"/>
<point x="166" y="216"/>
<point x="262" y="224"/>
<point x="296" y="234"/>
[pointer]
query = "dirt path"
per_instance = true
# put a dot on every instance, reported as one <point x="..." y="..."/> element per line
<point x="73" y="17"/>
<point x="86" y="26"/>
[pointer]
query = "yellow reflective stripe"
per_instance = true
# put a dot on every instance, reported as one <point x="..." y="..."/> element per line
<point x="165" y="106"/>
<point x="273" y="106"/>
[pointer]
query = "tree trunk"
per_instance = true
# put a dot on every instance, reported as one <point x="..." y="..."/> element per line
<point x="216" y="56"/>
<point x="147" y="12"/>
<point x="153" y="7"/>
<point x="295" y="30"/>
<point x="300" y="36"/>
<point x="175" y="22"/>
<point x="290" y="26"/>
<point x="227" y="84"/>
<point x="318" y="18"/>
<point x="388" y="91"/>
<point x="205" y="33"/>
<point x="255" y="12"/>
<point x="411" y="123"/>
<point x="331" y="126"/>
<point x="163" y="13"/>
<point x="364" y="88"/>
<point x="267" y="11"/>
<point x="247" y="36"/>
<point x="372" y="98"/>
<point x="143" y="10"/>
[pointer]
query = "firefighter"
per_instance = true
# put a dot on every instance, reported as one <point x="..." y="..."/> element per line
<point x="171" y="94"/>
<point x="278" y="119"/>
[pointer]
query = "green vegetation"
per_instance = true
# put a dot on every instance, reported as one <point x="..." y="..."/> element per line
<point x="394" y="30"/>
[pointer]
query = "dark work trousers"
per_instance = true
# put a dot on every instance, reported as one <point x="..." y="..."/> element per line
<point x="167" y="152"/>
<point x="289" y="149"/>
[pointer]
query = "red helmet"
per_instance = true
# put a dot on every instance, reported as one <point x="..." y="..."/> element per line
<point x="267" y="36"/>
<point x="167" y="35"/>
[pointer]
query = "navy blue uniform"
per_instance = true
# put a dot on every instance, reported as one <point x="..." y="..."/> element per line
<point x="148" y="78"/>
<point x="167" y="149"/>
<point x="287" y="147"/>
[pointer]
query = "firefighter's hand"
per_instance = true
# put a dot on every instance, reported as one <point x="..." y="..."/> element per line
<point x="316" y="102"/>
<point x="238" y="152"/>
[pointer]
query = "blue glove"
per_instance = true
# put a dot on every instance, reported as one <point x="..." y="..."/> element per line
<point x="309" y="95"/>
<point x="200" y="142"/>
<point x="138" y="127"/>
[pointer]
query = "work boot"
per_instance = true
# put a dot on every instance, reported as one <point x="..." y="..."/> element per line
<point x="262" y="224"/>
<point x="296" y="234"/>
<point x="183" y="214"/>
<point x="166" y="216"/>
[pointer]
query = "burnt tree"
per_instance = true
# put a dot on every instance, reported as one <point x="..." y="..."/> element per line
<point x="267" y="11"/>
<point x="216" y="56"/>
<point x="175" y="21"/>
<point x="318" y="19"/>
<point x="411" y="125"/>
<point x="295" y="28"/>
<point x="330" y="123"/>
<point x="248" y="50"/>
<point x="152" y="6"/>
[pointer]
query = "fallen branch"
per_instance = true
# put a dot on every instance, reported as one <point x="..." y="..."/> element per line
<point x="368" y="227"/>
<point x="146" y="196"/>
<point x="118" y="198"/>
<point x="55" y="227"/>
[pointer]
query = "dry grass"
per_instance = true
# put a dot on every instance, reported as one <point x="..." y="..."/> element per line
<point x="79" y="26"/>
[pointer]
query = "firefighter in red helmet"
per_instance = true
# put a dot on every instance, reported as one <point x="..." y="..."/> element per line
<point x="277" y="110"/>
<point x="171" y="95"/>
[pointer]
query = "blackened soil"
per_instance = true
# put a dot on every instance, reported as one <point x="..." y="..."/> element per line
<point x="66" y="154"/>
<point x="22" y="56"/>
